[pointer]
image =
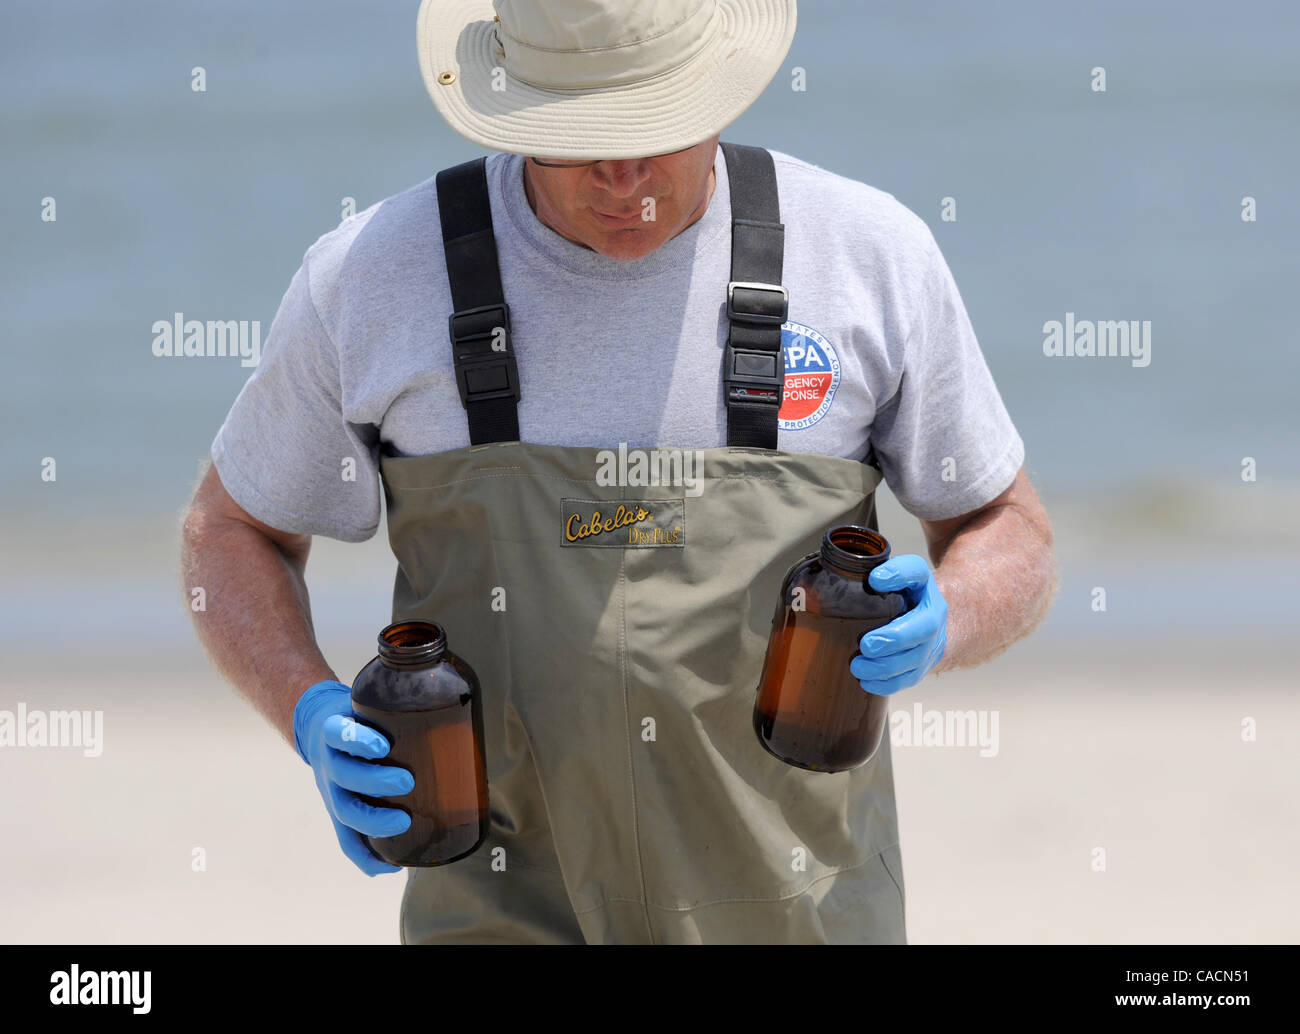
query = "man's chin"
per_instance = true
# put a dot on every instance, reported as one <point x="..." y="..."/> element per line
<point x="626" y="245"/>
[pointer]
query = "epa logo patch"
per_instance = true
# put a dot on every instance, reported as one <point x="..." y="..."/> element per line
<point x="812" y="373"/>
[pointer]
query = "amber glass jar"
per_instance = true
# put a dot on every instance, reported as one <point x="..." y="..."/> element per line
<point x="809" y="710"/>
<point x="426" y="701"/>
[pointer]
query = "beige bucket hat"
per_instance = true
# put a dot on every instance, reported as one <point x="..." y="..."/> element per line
<point x="599" y="78"/>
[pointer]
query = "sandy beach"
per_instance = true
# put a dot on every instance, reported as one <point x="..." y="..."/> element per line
<point x="1144" y="760"/>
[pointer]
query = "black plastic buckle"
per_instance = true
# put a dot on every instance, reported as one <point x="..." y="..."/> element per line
<point x="757" y="303"/>
<point x="483" y="374"/>
<point x="478" y="323"/>
<point x="755" y="375"/>
<point x="483" y="377"/>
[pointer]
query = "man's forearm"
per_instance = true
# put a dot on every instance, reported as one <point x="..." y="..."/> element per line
<point x="257" y="625"/>
<point x="998" y="576"/>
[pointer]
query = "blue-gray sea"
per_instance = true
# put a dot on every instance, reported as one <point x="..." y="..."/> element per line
<point x="1122" y="204"/>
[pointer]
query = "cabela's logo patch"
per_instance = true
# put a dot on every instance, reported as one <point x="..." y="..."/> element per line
<point x="623" y="523"/>
<point x="812" y="373"/>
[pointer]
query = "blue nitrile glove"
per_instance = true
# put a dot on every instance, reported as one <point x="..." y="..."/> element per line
<point x="334" y="745"/>
<point x="899" y="654"/>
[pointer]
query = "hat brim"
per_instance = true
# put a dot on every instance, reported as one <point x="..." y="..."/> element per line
<point x="675" y="110"/>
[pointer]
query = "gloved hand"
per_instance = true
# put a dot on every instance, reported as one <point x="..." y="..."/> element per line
<point x="899" y="654"/>
<point x="334" y="745"/>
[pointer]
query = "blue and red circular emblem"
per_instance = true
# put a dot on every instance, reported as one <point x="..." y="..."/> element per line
<point x="812" y="373"/>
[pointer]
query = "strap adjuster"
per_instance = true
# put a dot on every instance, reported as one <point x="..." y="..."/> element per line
<point x="491" y="376"/>
<point x="478" y="323"/>
<point x="483" y="374"/>
<point x="757" y="303"/>
<point x="755" y="376"/>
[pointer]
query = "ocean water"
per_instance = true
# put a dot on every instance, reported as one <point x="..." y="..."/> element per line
<point x="1117" y="205"/>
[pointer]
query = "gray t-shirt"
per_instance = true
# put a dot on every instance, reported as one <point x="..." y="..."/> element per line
<point x="879" y="352"/>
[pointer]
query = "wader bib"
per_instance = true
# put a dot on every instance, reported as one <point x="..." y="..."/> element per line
<point x="618" y="631"/>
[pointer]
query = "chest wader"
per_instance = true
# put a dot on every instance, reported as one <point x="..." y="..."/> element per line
<point x="618" y="630"/>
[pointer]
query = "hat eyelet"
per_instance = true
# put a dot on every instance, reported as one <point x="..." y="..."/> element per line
<point x="446" y="78"/>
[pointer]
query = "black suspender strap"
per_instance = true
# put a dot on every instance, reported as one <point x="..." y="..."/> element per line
<point x="753" y="375"/>
<point x="486" y="373"/>
<point x="754" y="369"/>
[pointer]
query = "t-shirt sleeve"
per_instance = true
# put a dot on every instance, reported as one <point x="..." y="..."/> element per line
<point x="286" y="453"/>
<point x="944" y="441"/>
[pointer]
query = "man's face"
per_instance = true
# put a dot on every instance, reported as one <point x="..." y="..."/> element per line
<point x="657" y="199"/>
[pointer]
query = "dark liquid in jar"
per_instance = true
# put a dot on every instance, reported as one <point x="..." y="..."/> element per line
<point x="449" y="804"/>
<point x="809" y="705"/>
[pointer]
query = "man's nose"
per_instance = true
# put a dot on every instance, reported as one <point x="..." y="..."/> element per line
<point x="621" y="178"/>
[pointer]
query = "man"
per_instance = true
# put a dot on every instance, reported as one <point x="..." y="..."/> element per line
<point x="499" y="346"/>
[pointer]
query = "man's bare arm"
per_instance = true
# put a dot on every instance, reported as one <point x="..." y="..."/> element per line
<point x="257" y="627"/>
<point x="997" y="572"/>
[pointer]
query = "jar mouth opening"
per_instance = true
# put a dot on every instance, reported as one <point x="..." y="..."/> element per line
<point x="853" y="547"/>
<point x="407" y="641"/>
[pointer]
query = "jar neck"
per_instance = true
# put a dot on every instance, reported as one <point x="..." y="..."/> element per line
<point x="411" y="644"/>
<point x="853" y="550"/>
